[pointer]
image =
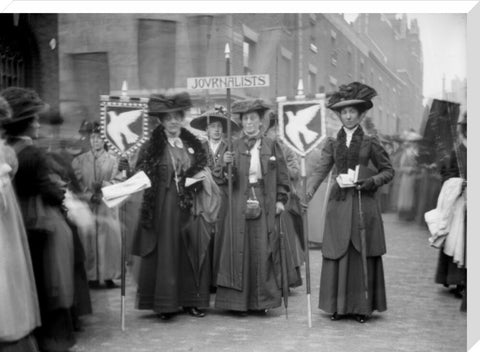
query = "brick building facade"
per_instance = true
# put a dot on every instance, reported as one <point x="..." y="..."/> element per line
<point x="95" y="53"/>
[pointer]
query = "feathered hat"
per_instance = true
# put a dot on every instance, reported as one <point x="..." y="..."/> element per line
<point x="217" y="114"/>
<point x="353" y="94"/>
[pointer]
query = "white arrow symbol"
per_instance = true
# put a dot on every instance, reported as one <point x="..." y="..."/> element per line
<point x="297" y="124"/>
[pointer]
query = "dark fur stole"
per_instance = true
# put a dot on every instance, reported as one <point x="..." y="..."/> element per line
<point x="149" y="160"/>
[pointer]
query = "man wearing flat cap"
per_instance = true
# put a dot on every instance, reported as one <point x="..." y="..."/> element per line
<point x="214" y="122"/>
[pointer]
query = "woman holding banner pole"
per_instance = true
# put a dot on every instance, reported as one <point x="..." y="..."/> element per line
<point x="249" y="277"/>
<point x="349" y="248"/>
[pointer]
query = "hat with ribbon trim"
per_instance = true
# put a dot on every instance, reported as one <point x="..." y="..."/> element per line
<point x="217" y="114"/>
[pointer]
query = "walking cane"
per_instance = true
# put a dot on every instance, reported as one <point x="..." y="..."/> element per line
<point x="305" y="234"/>
<point x="283" y="262"/>
<point x="363" y="243"/>
<point x="124" y="253"/>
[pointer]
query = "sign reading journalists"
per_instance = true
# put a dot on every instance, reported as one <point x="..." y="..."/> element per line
<point x="223" y="82"/>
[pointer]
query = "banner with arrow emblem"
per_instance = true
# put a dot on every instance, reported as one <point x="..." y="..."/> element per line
<point x="124" y="123"/>
<point x="302" y="124"/>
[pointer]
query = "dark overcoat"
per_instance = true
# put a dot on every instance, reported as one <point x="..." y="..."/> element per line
<point x="276" y="186"/>
<point x="342" y="217"/>
<point x="153" y="161"/>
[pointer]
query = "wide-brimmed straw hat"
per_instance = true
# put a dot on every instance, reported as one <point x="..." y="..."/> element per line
<point x="217" y="114"/>
<point x="159" y="103"/>
<point x="24" y="103"/>
<point x="353" y="94"/>
<point x="246" y="106"/>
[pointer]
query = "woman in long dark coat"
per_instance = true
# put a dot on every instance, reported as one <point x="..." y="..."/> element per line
<point x="214" y="123"/>
<point x="167" y="278"/>
<point x="249" y="270"/>
<point x="341" y="284"/>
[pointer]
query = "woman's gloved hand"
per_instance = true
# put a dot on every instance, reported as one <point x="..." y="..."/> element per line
<point x="367" y="184"/>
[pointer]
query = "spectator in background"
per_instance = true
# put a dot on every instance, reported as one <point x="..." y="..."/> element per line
<point x="95" y="169"/>
<point x="408" y="172"/>
<point x="448" y="272"/>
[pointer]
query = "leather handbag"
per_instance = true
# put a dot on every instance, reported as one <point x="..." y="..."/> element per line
<point x="253" y="209"/>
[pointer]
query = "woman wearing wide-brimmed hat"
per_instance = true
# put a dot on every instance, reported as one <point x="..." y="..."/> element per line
<point x="214" y="123"/>
<point x="342" y="289"/>
<point x="40" y="195"/>
<point x="167" y="277"/>
<point x="249" y="270"/>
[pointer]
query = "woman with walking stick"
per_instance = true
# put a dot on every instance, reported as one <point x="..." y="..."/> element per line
<point x="352" y="280"/>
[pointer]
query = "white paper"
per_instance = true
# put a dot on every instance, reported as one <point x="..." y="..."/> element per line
<point x="115" y="194"/>
<point x="346" y="180"/>
<point x="191" y="181"/>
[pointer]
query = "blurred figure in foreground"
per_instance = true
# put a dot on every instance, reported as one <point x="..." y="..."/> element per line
<point x="40" y="194"/>
<point x="19" y="309"/>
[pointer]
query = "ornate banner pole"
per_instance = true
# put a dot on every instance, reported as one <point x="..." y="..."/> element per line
<point x="229" y="148"/>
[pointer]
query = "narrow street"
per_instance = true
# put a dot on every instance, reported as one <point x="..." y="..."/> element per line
<point x="421" y="315"/>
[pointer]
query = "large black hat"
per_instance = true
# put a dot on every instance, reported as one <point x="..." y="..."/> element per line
<point x="353" y="94"/>
<point x="86" y="127"/>
<point x="159" y="103"/>
<point x="245" y="106"/>
<point x="217" y="114"/>
<point x="96" y="127"/>
<point x="24" y="103"/>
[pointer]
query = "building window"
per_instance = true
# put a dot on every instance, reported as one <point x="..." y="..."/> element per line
<point x="156" y="53"/>
<point x="248" y="56"/>
<point x="12" y="71"/>
<point x="333" y="38"/>
<point x="285" y="83"/>
<point x="312" y="82"/>
<point x="334" y="58"/>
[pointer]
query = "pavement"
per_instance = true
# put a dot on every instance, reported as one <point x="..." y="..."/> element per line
<point x="421" y="315"/>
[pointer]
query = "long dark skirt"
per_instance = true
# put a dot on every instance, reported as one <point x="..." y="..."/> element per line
<point x="448" y="273"/>
<point x="56" y="332"/>
<point x="260" y="289"/>
<point x="166" y="280"/>
<point x="25" y="344"/>
<point x="217" y="238"/>
<point x="342" y="288"/>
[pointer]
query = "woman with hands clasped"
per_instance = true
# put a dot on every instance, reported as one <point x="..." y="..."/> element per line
<point x="249" y="270"/>
<point x="342" y="289"/>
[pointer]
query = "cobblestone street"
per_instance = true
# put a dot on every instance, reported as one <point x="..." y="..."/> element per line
<point x="421" y="315"/>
